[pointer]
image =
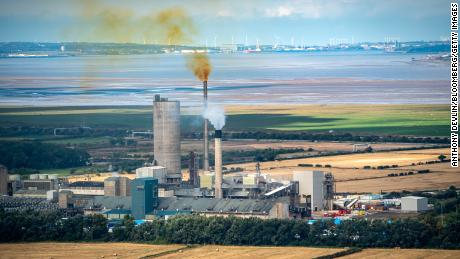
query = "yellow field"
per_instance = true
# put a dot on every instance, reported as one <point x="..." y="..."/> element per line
<point x="351" y="177"/>
<point x="81" y="250"/>
<point x="251" y="252"/>
<point x="128" y="250"/>
<point x="401" y="158"/>
<point x="405" y="253"/>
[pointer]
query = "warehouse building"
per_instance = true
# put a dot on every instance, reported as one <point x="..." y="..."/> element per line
<point x="39" y="184"/>
<point x="244" y="208"/>
<point x="414" y="204"/>
<point x="85" y="188"/>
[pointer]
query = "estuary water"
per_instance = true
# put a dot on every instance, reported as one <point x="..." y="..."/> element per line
<point x="359" y="77"/>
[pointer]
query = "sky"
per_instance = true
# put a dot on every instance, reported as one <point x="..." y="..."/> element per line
<point x="311" y="22"/>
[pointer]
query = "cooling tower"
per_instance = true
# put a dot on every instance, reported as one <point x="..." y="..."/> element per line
<point x="218" y="165"/>
<point x="166" y="136"/>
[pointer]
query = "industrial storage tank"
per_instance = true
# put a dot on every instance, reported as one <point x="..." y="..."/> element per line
<point x="166" y="136"/>
<point x="42" y="176"/>
<point x="33" y="177"/>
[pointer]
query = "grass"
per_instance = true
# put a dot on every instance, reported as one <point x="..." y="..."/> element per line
<point x="428" y="120"/>
<point x="417" y="120"/>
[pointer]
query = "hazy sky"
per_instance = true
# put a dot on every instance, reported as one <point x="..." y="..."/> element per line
<point x="313" y="21"/>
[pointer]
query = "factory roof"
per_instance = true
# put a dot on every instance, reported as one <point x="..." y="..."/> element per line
<point x="34" y="192"/>
<point x="117" y="211"/>
<point x="253" y="206"/>
<point x="413" y="197"/>
<point x="86" y="184"/>
<point x="111" y="202"/>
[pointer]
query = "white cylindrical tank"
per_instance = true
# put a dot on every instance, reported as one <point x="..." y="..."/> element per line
<point x="33" y="177"/>
<point x="42" y="176"/>
<point x="166" y="135"/>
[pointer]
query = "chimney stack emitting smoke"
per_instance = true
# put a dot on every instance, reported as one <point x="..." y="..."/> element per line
<point x="218" y="164"/>
<point x="205" y="126"/>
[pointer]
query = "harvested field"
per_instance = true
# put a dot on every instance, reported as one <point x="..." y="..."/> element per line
<point x="81" y="250"/>
<point x="323" y="146"/>
<point x="351" y="177"/>
<point x="405" y="253"/>
<point x="128" y="250"/>
<point x="353" y="161"/>
<point x="250" y="252"/>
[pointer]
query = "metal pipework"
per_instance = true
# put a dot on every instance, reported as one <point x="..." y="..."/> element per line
<point x="218" y="165"/>
<point x="205" y="126"/>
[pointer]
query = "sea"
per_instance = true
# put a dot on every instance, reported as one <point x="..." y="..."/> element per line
<point x="335" y="77"/>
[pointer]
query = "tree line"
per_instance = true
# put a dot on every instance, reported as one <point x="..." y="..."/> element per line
<point x="38" y="155"/>
<point x="432" y="230"/>
<point x="332" y="137"/>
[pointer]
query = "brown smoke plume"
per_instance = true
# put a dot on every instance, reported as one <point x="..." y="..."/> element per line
<point x="200" y="66"/>
<point x="101" y="22"/>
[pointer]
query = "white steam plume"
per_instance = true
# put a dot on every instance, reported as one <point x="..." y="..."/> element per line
<point x="216" y="115"/>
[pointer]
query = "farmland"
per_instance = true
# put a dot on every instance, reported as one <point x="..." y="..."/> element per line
<point x="417" y="120"/>
<point x="129" y="250"/>
<point x="351" y="176"/>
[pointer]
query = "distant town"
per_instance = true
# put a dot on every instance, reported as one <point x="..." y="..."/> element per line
<point x="44" y="49"/>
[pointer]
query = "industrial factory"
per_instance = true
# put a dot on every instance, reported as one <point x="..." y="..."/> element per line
<point x="158" y="190"/>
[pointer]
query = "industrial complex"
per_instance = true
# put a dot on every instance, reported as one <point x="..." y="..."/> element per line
<point x="158" y="190"/>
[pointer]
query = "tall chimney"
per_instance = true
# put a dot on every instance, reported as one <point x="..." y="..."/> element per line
<point x="205" y="126"/>
<point x="218" y="165"/>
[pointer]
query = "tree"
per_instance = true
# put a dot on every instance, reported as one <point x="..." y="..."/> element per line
<point x="441" y="157"/>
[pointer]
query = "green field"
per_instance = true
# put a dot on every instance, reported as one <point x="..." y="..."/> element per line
<point x="417" y="120"/>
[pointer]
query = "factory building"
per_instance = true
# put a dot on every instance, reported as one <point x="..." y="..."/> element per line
<point x="311" y="189"/>
<point x="90" y="188"/>
<point x="3" y="180"/>
<point x="65" y="200"/>
<point x="39" y="184"/>
<point x="143" y="196"/>
<point x="414" y="204"/>
<point x="166" y="137"/>
<point x="14" y="183"/>
<point x="157" y="172"/>
<point x="117" y="186"/>
<point x="260" y="208"/>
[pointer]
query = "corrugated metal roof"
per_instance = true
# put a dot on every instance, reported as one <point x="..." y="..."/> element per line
<point x="117" y="211"/>
<point x="111" y="202"/>
<point x="86" y="184"/>
<point x="219" y="205"/>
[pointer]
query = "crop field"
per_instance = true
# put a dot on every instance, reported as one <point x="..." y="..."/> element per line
<point x="405" y="253"/>
<point x="128" y="250"/>
<point x="352" y="177"/>
<point x="419" y="120"/>
<point x="321" y="146"/>
<point x="81" y="250"/>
